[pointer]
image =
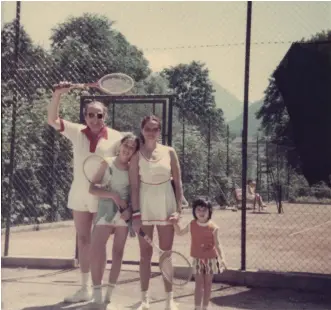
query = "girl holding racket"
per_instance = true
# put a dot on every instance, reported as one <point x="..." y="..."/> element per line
<point x="113" y="212"/>
<point x="94" y="137"/>
<point x="208" y="257"/>
<point x="153" y="200"/>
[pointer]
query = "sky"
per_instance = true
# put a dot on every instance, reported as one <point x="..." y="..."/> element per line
<point x="170" y="33"/>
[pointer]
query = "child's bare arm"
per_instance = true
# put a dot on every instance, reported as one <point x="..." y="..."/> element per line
<point x="218" y="246"/>
<point x="181" y="231"/>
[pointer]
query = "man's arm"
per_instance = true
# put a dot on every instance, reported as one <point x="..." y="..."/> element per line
<point x="181" y="231"/>
<point x="68" y="129"/>
<point x="53" y="118"/>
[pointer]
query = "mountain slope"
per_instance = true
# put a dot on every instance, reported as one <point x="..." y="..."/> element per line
<point x="253" y="124"/>
<point x="224" y="100"/>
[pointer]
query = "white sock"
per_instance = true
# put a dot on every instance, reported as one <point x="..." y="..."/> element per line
<point x="109" y="291"/>
<point x="144" y="296"/>
<point x="85" y="279"/>
<point x="170" y="296"/>
<point x="97" y="294"/>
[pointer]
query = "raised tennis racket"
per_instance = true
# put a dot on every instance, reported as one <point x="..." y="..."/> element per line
<point x="112" y="84"/>
<point x="167" y="261"/>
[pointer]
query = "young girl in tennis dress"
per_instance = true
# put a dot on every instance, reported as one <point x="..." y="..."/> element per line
<point x="112" y="216"/>
<point x="208" y="257"/>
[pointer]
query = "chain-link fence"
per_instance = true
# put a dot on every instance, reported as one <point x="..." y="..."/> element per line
<point x="291" y="234"/>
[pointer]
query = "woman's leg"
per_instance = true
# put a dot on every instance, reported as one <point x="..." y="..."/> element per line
<point x="83" y="224"/>
<point x="208" y="281"/>
<point x="100" y="237"/>
<point x="120" y="236"/>
<point x="146" y="253"/>
<point x="198" y="292"/>
<point x="166" y="240"/>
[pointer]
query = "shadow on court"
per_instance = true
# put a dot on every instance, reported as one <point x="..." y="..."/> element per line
<point x="27" y="289"/>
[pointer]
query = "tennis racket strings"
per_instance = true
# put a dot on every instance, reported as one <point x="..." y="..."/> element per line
<point x="168" y="262"/>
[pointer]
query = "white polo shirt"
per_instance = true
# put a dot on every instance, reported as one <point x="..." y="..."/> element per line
<point x="105" y="145"/>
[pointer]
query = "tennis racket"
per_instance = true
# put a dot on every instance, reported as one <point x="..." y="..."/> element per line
<point x="168" y="259"/>
<point x="91" y="167"/>
<point x="112" y="84"/>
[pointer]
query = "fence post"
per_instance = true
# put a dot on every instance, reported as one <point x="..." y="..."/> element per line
<point x="244" y="136"/>
<point x="227" y="150"/>
<point x="13" y="128"/>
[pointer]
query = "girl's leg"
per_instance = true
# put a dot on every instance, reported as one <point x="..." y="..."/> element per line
<point x="166" y="240"/>
<point x="83" y="224"/>
<point x="208" y="281"/>
<point x="199" y="289"/>
<point x="146" y="252"/>
<point x="100" y="237"/>
<point x="121" y="233"/>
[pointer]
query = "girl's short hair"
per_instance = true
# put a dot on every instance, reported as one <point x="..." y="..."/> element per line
<point x="131" y="136"/>
<point x="201" y="202"/>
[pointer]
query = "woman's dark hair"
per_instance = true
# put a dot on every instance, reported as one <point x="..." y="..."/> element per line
<point x="147" y="119"/>
<point x="201" y="202"/>
<point x="131" y="136"/>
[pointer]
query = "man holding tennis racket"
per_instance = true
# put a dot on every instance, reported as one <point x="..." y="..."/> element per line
<point x="96" y="138"/>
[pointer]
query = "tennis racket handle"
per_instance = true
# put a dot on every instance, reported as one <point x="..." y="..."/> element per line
<point x="148" y="239"/>
<point x="69" y="85"/>
<point x="121" y="211"/>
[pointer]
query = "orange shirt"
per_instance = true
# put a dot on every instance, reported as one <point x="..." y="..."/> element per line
<point x="203" y="240"/>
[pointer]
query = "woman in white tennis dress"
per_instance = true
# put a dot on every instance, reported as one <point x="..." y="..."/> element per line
<point x="154" y="200"/>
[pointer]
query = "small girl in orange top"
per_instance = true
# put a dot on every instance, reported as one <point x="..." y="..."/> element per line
<point x="208" y="257"/>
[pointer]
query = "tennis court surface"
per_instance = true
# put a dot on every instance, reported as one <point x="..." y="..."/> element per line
<point x="44" y="290"/>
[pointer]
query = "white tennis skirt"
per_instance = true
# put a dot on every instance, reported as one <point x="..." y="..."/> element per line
<point x="157" y="203"/>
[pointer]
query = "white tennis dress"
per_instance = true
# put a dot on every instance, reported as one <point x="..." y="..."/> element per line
<point x="157" y="198"/>
<point x="119" y="183"/>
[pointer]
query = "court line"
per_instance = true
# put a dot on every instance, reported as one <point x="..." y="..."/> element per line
<point x="310" y="228"/>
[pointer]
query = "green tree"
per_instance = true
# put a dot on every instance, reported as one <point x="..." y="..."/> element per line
<point x="87" y="47"/>
<point x="193" y="89"/>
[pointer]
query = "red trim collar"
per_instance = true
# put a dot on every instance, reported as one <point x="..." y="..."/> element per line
<point x="95" y="139"/>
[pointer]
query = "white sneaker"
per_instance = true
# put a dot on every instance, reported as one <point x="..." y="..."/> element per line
<point x="83" y="294"/>
<point x="144" y="305"/>
<point x="112" y="307"/>
<point x="171" y="305"/>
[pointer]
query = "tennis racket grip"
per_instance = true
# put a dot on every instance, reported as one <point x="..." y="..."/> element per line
<point x="121" y="211"/>
<point x="147" y="239"/>
<point x="71" y="85"/>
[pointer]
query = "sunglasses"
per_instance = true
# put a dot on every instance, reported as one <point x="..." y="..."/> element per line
<point x="93" y="115"/>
